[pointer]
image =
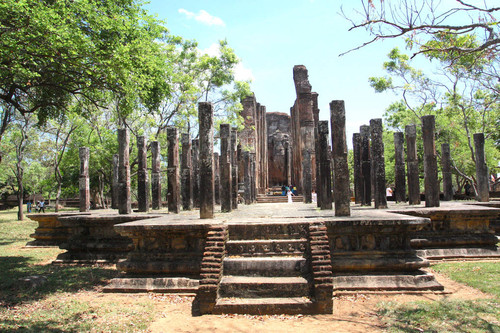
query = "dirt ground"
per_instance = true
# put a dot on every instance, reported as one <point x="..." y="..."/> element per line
<point x="352" y="313"/>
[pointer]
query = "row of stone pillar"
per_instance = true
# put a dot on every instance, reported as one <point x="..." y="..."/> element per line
<point x="193" y="180"/>
<point x="369" y="166"/>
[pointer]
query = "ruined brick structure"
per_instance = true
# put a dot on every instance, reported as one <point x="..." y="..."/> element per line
<point x="278" y="148"/>
<point x="302" y="130"/>
<point x="253" y="138"/>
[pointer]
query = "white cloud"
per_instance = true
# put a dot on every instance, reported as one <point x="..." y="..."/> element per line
<point x="204" y="17"/>
<point x="241" y="73"/>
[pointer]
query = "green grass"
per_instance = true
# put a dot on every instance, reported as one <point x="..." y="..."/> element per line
<point x="481" y="315"/>
<point x="484" y="276"/>
<point x="442" y="316"/>
<point x="70" y="300"/>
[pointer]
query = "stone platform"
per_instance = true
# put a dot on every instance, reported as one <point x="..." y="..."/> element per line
<point x="50" y="232"/>
<point x="279" y="258"/>
<point x="458" y="230"/>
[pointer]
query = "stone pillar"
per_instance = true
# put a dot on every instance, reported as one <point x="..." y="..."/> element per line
<point x="124" y="202"/>
<point x="323" y="155"/>
<point x="173" y="171"/>
<point x="195" y="150"/>
<point x="430" y="162"/>
<point x="307" y="176"/>
<point x="186" y="176"/>
<point x="342" y="193"/>
<point x="234" y="168"/>
<point x="114" y="184"/>
<point x="142" y="175"/>
<point x="247" y="178"/>
<point x="412" y="165"/>
<point x="253" y="177"/>
<point x="399" y="167"/>
<point x="206" y="134"/>
<point x="378" y="163"/>
<point x="226" y="192"/>
<point x="356" y="148"/>
<point x="216" y="179"/>
<point x="446" y="170"/>
<point x="288" y="163"/>
<point x="482" y="174"/>
<point x="366" y="184"/>
<point x="155" y="175"/>
<point x="317" y="176"/>
<point x="84" y="183"/>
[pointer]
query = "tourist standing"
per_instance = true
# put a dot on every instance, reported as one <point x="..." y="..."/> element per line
<point x="42" y="206"/>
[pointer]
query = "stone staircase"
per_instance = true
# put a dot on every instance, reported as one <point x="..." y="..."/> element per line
<point x="266" y="269"/>
<point x="278" y="198"/>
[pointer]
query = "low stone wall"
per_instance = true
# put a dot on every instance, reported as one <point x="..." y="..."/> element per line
<point x="50" y="232"/>
<point x="164" y="247"/>
<point x="92" y="238"/>
<point x="456" y="231"/>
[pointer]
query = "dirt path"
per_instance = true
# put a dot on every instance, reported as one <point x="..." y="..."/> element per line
<point x="352" y="313"/>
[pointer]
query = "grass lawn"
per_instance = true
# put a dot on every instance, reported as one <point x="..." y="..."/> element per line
<point x="482" y="315"/>
<point x="69" y="300"/>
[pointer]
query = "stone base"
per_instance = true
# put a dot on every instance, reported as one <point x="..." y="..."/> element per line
<point x="459" y="253"/>
<point x="152" y="284"/>
<point x="43" y="244"/>
<point x="415" y="281"/>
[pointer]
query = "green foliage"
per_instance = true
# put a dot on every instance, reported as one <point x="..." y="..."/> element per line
<point x="457" y="94"/>
<point x="56" y="53"/>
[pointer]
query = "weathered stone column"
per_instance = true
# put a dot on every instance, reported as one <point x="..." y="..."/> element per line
<point x="247" y="178"/>
<point x="412" y="165"/>
<point x="124" y="202"/>
<point x="446" y="170"/>
<point x="186" y="176"/>
<point x="253" y="177"/>
<point x="323" y="155"/>
<point x="206" y="134"/>
<point x="173" y="171"/>
<point x="482" y="176"/>
<point x="195" y="150"/>
<point x="378" y="162"/>
<point x="430" y="162"/>
<point x="288" y="163"/>
<point x="234" y="168"/>
<point x="226" y="192"/>
<point x="342" y="193"/>
<point x="356" y="148"/>
<point x="399" y="167"/>
<point x="307" y="175"/>
<point x="155" y="175"/>
<point x="114" y="184"/>
<point x="216" y="179"/>
<point x="142" y="175"/>
<point x="84" y="184"/>
<point x="366" y="184"/>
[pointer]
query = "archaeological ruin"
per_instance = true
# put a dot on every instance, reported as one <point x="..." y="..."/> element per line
<point x="263" y="251"/>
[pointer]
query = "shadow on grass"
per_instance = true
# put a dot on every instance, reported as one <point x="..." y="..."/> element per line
<point x="59" y="279"/>
<point x="443" y="316"/>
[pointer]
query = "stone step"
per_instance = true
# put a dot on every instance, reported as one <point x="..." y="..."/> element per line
<point x="268" y="231"/>
<point x="265" y="266"/>
<point x="248" y="287"/>
<point x="278" y="199"/>
<point x="264" y="247"/>
<point x="259" y="306"/>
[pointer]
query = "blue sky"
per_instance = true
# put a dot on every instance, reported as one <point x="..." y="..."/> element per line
<point x="272" y="36"/>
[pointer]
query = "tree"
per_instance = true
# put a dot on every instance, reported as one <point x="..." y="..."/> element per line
<point x="56" y="54"/>
<point x="456" y="94"/>
<point x="420" y="21"/>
